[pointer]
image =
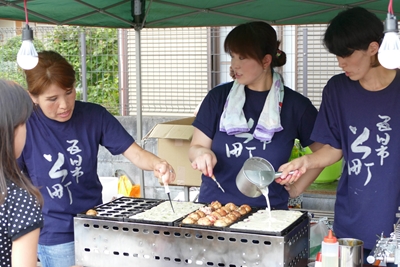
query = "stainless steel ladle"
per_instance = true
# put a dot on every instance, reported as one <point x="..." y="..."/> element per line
<point x="256" y="174"/>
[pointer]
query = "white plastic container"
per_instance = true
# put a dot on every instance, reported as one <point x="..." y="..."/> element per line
<point x="330" y="251"/>
<point x="110" y="188"/>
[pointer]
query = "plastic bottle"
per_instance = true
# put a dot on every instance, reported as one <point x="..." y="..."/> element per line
<point x="330" y="251"/>
<point x="318" y="260"/>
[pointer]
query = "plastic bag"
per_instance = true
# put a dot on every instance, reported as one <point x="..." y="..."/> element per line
<point x="126" y="188"/>
<point x="297" y="150"/>
<point x="318" y="231"/>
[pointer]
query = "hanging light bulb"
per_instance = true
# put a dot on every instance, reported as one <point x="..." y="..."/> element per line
<point x="27" y="57"/>
<point x="389" y="51"/>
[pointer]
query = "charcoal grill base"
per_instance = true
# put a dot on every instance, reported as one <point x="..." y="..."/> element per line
<point x="113" y="243"/>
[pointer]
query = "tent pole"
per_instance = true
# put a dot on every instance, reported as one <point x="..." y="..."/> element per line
<point x="138" y="86"/>
<point x="123" y="71"/>
<point x="83" y="65"/>
<point x="139" y="102"/>
<point x="305" y="62"/>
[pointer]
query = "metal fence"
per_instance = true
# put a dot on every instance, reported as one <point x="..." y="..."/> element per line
<point x="178" y="65"/>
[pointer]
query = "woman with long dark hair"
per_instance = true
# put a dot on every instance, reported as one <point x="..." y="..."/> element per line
<point x="20" y="212"/>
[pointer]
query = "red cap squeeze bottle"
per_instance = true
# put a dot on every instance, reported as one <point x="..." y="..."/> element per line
<point x="330" y="251"/>
<point x="318" y="260"/>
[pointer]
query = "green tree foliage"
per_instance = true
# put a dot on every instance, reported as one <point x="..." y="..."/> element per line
<point x="8" y="59"/>
<point x="101" y="61"/>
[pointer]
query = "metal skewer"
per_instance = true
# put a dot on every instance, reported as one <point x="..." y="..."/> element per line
<point x="166" y="187"/>
<point x="215" y="180"/>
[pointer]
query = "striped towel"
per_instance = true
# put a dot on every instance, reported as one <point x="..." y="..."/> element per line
<point x="234" y="122"/>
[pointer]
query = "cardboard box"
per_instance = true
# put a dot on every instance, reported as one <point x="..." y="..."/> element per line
<point x="173" y="145"/>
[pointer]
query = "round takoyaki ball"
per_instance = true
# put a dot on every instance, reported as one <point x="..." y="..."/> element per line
<point x="216" y="214"/>
<point x="220" y="223"/>
<point x="216" y="205"/>
<point x="242" y="211"/>
<point x="232" y="216"/>
<point x="231" y="206"/>
<point x="237" y="213"/>
<point x="211" y="218"/>
<point x="221" y="212"/>
<point x="247" y="207"/>
<point x="195" y="216"/>
<point x="91" y="212"/>
<point x="225" y="209"/>
<point x="227" y="220"/>
<point x="206" y="210"/>
<point x="204" y="221"/>
<point x="201" y="213"/>
<point x="188" y="220"/>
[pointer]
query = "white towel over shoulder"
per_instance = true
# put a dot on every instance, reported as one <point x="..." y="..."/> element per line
<point x="234" y="122"/>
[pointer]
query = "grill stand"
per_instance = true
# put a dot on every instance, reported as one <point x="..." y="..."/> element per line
<point x="115" y="243"/>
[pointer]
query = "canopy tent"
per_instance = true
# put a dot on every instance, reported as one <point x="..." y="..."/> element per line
<point x="183" y="13"/>
<point x="140" y="14"/>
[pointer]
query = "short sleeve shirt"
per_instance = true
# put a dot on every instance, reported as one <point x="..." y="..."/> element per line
<point x="61" y="160"/>
<point x="365" y="125"/>
<point x="297" y="119"/>
<point x="19" y="215"/>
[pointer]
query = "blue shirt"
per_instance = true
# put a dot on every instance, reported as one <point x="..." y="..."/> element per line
<point x="365" y="125"/>
<point x="297" y="119"/>
<point x="61" y="160"/>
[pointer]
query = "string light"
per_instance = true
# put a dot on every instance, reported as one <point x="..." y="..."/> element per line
<point x="27" y="57"/>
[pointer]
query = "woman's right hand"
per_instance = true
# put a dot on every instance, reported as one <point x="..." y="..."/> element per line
<point x="200" y="153"/>
<point x="299" y="166"/>
<point x="322" y="156"/>
<point x="205" y="162"/>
